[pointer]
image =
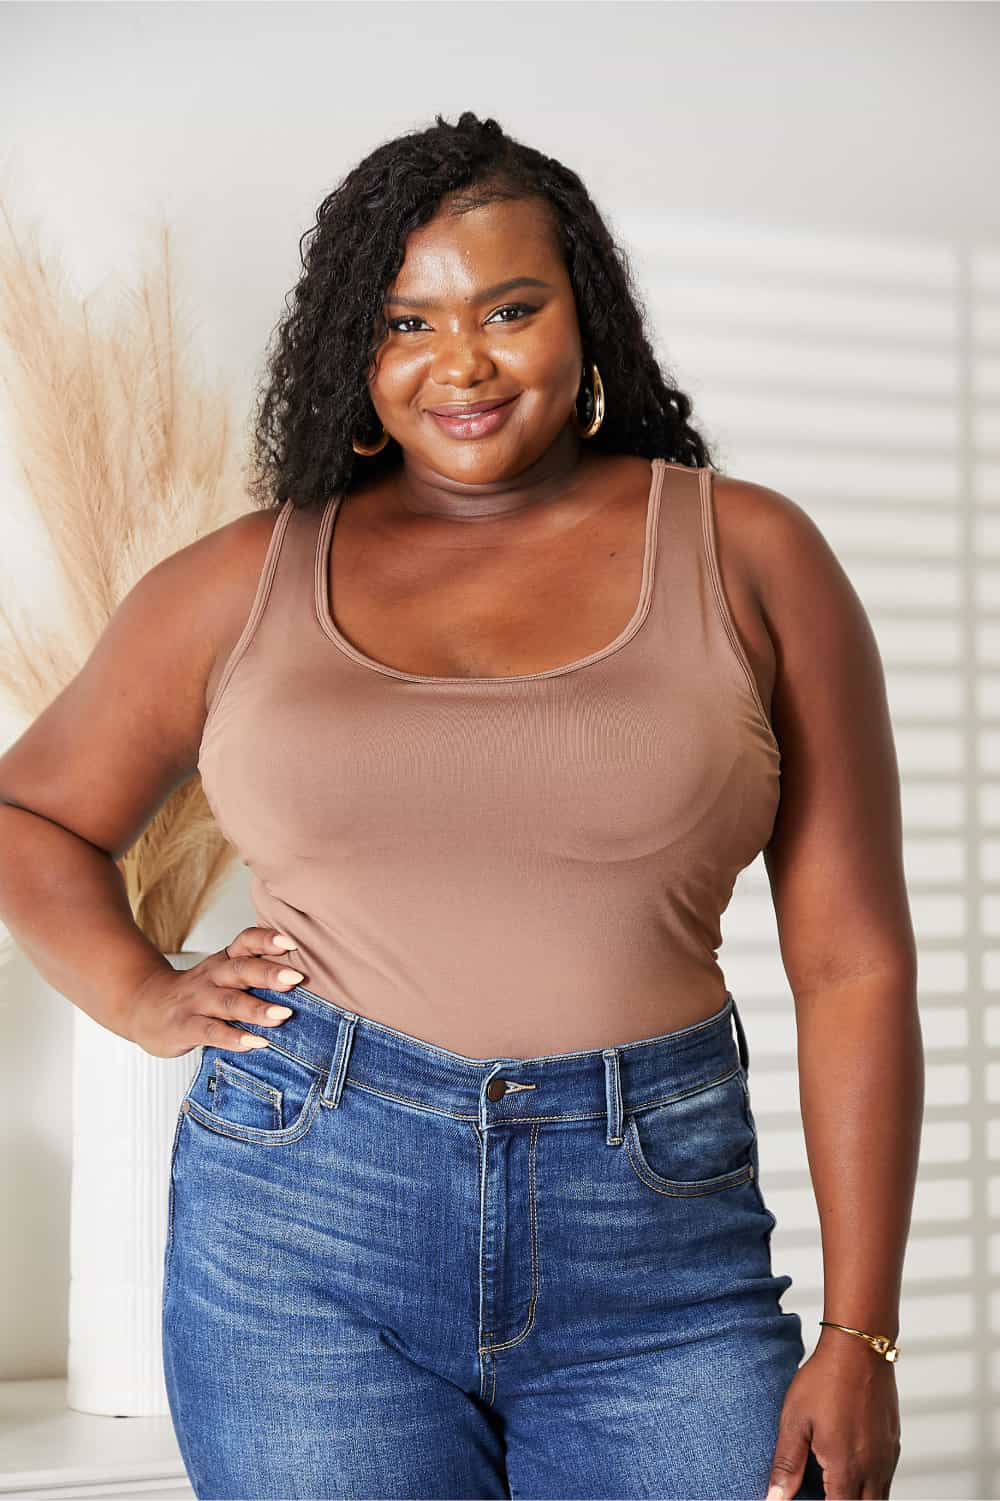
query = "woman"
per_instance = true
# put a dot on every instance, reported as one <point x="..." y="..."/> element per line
<point x="496" y="690"/>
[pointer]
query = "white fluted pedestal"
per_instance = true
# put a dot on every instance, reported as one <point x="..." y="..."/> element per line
<point x="125" y="1105"/>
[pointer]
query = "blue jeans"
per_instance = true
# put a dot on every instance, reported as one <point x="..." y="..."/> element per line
<point x="395" y="1271"/>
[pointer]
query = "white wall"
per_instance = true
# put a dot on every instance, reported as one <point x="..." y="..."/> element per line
<point x="809" y="193"/>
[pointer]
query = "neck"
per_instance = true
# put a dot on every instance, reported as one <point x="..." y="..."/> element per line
<point x="421" y="490"/>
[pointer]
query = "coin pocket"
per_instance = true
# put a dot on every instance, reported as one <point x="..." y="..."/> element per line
<point x="268" y="1097"/>
<point x="242" y="1098"/>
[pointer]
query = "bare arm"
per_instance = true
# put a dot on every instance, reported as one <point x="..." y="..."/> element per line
<point x="835" y="867"/>
<point x="88" y="775"/>
<point x="65" y="904"/>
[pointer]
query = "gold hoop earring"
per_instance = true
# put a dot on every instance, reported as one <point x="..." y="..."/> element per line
<point x="370" y="448"/>
<point x="597" y="400"/>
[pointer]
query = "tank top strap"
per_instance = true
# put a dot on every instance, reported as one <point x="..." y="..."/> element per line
<point x="281" y="608"/>
<point x="289" y="627"/>
<point x="293" y="589"/>
<point x="692" y="610"/>
<point x="680" y="575"/>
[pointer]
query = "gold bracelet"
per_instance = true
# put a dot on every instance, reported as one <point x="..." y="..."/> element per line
<point x="880" y="1343"/>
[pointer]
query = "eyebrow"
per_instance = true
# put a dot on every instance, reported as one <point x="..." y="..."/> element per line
<point x="483" y="295"/>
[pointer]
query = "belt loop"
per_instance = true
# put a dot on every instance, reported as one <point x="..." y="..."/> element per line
<point x="741" y="1036"/>
<point x="613" y="1094"/>
<point x="334" y="1086"/>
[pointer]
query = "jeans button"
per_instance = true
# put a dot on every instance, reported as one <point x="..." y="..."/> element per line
<point x="496" y="1089"/>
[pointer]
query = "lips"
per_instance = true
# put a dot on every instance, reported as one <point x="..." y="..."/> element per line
<point x="468" y="422"/>
<point x="469" y="408"/>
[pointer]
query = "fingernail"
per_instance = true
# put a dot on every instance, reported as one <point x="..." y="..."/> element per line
<point x="289" y="976"/>
<point x="278" y="1013"/>
<point x="282" y="941"/>
<point x="776" y="1493"/>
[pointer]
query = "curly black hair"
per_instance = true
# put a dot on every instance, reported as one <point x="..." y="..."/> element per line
<point x="316" y="400"/>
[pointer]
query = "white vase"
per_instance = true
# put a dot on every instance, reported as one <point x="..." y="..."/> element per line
<point x="125" y="1105"/>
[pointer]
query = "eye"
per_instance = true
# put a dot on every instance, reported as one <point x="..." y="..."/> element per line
<point x="396" y="324"/>
<point x="515" y="307"/>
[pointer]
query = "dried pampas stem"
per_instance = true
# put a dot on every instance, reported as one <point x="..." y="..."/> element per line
<point x="126" y="457"/>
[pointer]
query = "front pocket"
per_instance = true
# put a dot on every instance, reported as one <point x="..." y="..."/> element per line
<point x="701" y="1142"/>
<point x="268" y="1097"/>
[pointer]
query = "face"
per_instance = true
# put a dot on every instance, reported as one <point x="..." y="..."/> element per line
<point x="481" y="310"/>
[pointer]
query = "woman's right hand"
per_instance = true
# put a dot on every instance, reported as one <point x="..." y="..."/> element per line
<point x="177" y="1011"/>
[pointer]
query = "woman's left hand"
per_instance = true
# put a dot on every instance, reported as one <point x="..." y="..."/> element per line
<point x="842" y="1403"/>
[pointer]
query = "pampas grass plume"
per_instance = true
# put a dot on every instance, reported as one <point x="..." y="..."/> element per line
<point x="126" y="457"/>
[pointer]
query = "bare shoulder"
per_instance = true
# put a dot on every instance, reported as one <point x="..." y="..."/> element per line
<point x="211" y="583"/>
<point x="135" y="712"/>
<point x="805" y="600"/>
<point x="766" y="526"/>
<point x="215" y="567"/>
<point x="233" y="555"/>
<point x="781" y="543"/>
<point x="778" y="555"/>
<point x="239" y="546"/>
<point x="835" y="856"/>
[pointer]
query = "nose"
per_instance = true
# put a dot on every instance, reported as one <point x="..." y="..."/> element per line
<point x="459" y="360"/>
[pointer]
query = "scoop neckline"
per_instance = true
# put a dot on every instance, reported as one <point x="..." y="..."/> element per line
<point x="324" y="613"/>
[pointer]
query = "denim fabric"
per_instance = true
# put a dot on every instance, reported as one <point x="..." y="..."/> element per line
<point x="395" y="1271"/>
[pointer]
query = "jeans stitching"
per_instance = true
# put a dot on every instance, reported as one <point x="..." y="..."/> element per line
<point x="718" y="1019"/>
<point x="527" y="1120"/>
<point x="248" y="1082"/>
<point x="696" y="1188"/>
<point x="748" y="1112"/>
<point x="482" y="1349"/>
<point x="681" y="1094"/>
<point x="235" y="1078"/>
<point x="253" y="1135"/>
<point x="257" y="1029"/>
<point x="529" y="1325"/>
<point x="169" y="1247"/>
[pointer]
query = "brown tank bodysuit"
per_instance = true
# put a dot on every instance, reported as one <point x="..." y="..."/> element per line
<point x="504" y="865"/>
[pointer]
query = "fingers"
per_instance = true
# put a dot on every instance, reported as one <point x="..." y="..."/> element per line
<point x="202" y="1005"/>
<point x="240" y="967"/>
<point x="258" y="941"/>
<point x="250" y="971"/>
<point x="217" y="1033"/>
<point x="241" y="963"/>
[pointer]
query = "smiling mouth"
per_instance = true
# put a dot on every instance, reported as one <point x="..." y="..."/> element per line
<point x="469" y="409"/>
<point x="474" y="423"/>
